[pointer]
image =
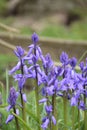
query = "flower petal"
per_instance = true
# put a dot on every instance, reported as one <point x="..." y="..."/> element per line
<point x="9" y="119"/>
<point x="24" y="97"/>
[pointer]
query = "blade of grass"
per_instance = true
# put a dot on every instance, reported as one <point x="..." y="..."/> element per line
<point x="3" y="106"/>
<point x="32" y="115"/>
<point x="7" y="84"/>
<point x="84" y="54"/>
<point x="22" y="122"/>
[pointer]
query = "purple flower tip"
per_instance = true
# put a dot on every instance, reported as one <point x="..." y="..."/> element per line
<point x="9" y="119"/>
<point x="81" y="65"/>
<point x="12" y="97"/>
<point x="19" y="52"/>
<point x="24" y="97"/>
<point x="48" y="109"/>
<point x="35" y="38"/>
<point x="73" y="62"/>
<point x="64" y="58"/>
<point x="45" y="123"/>
<point x="53" y="120"/>
<point x="43" y="100"/>
<point x="17" y="111"/>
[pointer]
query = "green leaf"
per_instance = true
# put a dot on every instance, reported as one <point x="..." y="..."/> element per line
<point x="3" y="105"/>
<point x="22" y="122"/>
<point x="32" y="115"/>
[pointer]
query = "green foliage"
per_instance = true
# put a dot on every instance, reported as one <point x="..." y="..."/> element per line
<point x="77" y="31"/>
<point x="26" y="30"/>
<point x="2" y="6"/>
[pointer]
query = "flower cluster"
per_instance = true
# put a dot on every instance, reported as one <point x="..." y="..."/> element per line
<point x="52" y="80"/>
<point x="73" y="83"/>
<point x="21" y="77"/>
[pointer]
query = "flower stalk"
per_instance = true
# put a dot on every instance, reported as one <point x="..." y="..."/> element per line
<point x="54" y="112"/>
<point x="65" y="111"/>
<point x="78" y="118"/>
<point x="73" y="118"/>
<point x="85" y="119"/>
<point x="37" y="104"/>
<point x="22" y="102"/>
<point x="35" y="40"/>
<point x="16" y="120"/>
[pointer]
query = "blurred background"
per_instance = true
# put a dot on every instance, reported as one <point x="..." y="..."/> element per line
<point x="50" y="18"/>
<point x="60" y="24"/>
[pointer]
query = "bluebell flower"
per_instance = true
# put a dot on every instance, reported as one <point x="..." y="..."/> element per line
<point x="74" y="101"/>
<point x="81" y="105"/>
<point x="13" y="95"/>
<point x="12" y="98"/>
<point x="24" y="97"/>
<point x="73" y="62"/>
<point x="64" y="58"/>
<point x="33" y="57"/>
<point x="15" y="68"/>
<point x="35" y="38"/>
<point x="53" y="120"/>
<point x="9" y="119"/>
<point x="81" y="65"/>
<point x="47" y="61"/>
<point x="59" y="71"/>
<point x="21" y="82"/>
<point x="19" y="52"/>
<point x="50" y="90"/>
<point x="46" y="120"/>
<point x="43" y="100"/>
<point x="48" y="109"/>
<point x="45" y="123"/>
<point x="21" y="79"/>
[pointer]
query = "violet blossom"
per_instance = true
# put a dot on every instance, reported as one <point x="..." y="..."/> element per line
<point x="13" y="95"/>
<point x="47" y="120"/>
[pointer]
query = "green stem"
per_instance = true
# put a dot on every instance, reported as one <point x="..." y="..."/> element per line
<point x="23" y="123"/>
<point x="65" y="111"/>
<point x="50" y="125"/>
<point x="37" y="91"/>
<point x="23" y="108"/>
<point x="78" y="119"/>
<point x="54" y="112"/>
<point x="22" y="102"/>
<point x="85" y="121"/>
<point x="7" y="85"/>
<point x="16" y="120"/>
<point x="73" y="118"/>
<point x="37" y="104"/>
